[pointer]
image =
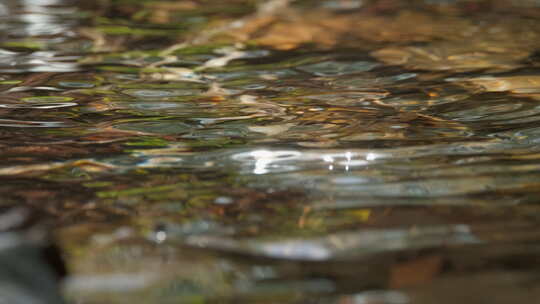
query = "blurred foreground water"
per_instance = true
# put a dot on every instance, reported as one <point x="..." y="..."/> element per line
<point x="336" y="152"/>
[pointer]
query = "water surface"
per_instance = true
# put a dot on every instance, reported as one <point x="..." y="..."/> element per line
<point x="335" y="152"/>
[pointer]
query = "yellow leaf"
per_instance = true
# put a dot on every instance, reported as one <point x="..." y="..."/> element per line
<point x="362" y="214"/>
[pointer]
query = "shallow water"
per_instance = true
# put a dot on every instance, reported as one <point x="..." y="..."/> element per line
<point x="390" y="157"/>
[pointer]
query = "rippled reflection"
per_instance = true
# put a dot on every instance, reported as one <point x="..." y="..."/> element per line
<point x="39" y="26"/>
<point x="40" y="17"/>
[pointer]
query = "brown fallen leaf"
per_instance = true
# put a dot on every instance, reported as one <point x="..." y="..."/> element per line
<point x="415" y="272"/>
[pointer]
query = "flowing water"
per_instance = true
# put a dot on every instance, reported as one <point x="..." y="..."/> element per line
<point x="344" y="152"/>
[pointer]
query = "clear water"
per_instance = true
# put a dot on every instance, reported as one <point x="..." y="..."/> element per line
<point x="386" y="153"/>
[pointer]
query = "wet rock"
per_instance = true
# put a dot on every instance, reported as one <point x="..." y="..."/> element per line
<point x="31" y="268"/>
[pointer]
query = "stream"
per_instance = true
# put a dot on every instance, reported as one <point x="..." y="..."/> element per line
<point x="242" y="151"/>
